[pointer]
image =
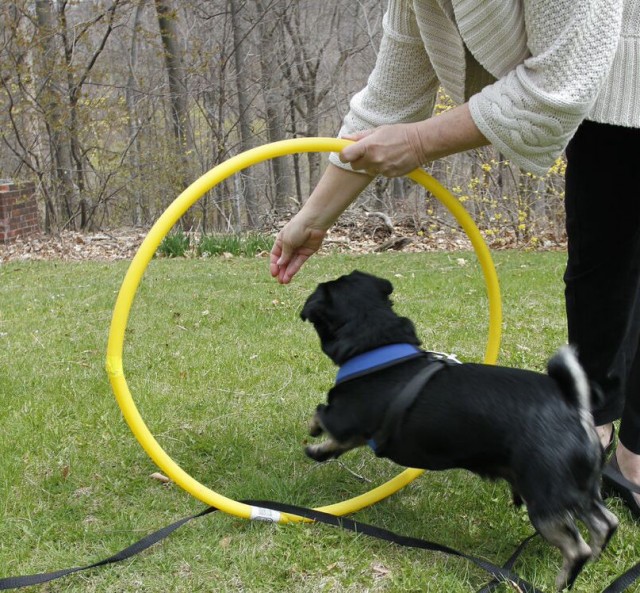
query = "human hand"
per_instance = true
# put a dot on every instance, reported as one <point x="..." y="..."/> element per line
<point x="302" y="236"/>
<point x="294" y="245"/>
<point x="392" y="151"/>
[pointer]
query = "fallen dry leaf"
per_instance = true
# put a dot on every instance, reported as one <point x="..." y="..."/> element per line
<point x="160" y="477"/>
<point x="354" y="232"/>
<point x="379" y="570"/>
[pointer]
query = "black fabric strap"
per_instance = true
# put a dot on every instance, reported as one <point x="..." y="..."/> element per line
<point x="132" y="550"/>
<point x="499" y="573"/>
<point x="509" y="564"/>
<point x="625" y="580"/>
<point x="400" y="404"/>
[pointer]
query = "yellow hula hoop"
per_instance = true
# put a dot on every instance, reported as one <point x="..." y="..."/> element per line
<point x="150" y="245"/>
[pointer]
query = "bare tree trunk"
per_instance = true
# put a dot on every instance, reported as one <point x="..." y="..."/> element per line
<point x="245" y="116"/>
<point x="311" y="88"/>
<point x="133" y="119"/>
<point x="272" y="84"/>
<point x="59" y="97"/>
<point x="73" y="92"/>
<point x="46" y="65"/>
<point x="174" y="62"/>
<point x="399" y="193"/>
<point x="313" y="130"/>
<point x="289" y="97"/>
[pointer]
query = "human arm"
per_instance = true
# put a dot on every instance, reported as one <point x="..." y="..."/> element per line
<point x="543" y="90"/>
<point x="391" y="150"/>
<point x="534" y="108"/>
<point x="302" y="236"/>
<point x="401" y="88"/>
<point x="339" y="186"/>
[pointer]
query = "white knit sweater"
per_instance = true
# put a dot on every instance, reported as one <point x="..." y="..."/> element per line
<point x="531" y="70"/>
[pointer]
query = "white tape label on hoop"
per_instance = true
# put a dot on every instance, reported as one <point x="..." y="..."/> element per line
<point x="269" y="515"/>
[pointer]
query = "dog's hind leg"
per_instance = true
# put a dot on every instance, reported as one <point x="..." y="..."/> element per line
<point x="602" y="524"/>
<point x="516" y="499"/>
<point x="562" y="532"/>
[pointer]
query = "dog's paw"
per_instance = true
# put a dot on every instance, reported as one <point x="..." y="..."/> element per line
<point x="315" y="430"/>
<point x="317" y="453"/>
<point x="315" y="426"/>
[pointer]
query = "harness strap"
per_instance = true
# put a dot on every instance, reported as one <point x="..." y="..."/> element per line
<point x="399" y="406"/>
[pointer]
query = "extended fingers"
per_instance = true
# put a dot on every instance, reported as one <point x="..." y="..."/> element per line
<point x="284" y="266"/>
<point x="275" y="257"/>
<point x="288" y="271"/>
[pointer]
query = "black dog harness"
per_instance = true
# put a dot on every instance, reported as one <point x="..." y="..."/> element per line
<point x="382" y="358"/>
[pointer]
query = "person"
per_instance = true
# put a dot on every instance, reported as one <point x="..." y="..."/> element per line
<point x="532" y="78"/>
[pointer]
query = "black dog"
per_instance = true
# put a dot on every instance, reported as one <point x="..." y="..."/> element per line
<point x="531" y="429"/>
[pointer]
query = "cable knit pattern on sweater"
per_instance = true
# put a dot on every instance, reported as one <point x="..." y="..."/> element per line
<point x="619" y="101"/>
<point x="554" y="63"/>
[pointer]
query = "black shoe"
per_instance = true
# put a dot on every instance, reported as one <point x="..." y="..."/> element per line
<point x="615" y="484"/>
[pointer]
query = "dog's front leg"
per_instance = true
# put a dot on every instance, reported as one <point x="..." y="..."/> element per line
<point x="315" y="425"/>
<point x="331" y="449"/>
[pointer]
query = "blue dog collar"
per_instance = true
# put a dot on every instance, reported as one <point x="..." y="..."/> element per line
<point x="376" y="359"/>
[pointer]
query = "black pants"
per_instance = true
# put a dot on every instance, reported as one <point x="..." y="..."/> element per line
<point x="602" y="278"/>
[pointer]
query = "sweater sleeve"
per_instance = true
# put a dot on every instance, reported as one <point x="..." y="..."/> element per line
<point x="402" y="86"/>
<point x="532" y="112"/>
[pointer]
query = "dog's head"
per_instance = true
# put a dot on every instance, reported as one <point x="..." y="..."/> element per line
<point x="354" y="314"/>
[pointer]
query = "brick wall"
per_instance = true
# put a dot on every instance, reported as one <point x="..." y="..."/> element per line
<point x="18" y="210"/>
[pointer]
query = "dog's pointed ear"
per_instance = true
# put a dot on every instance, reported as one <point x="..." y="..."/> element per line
<point x="385" y="287"/>
<point x="315" y="304"/>
<point x="382" y="285"/>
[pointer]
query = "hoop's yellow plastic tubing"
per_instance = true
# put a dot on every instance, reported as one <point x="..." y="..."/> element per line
<point x="144" y="255"/>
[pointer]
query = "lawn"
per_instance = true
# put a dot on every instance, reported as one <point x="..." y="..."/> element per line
<point x="226" y="374"/>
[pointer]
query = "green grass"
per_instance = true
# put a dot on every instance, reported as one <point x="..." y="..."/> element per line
<point x="225" y="374"/>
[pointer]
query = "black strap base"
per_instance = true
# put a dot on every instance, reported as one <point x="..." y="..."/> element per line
<point x="499" y="573"/>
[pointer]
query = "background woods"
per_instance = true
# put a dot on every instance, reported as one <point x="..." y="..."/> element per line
<point x="113" y="106"/>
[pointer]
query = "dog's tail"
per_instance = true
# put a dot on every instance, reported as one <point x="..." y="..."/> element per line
<point x="564" y="367"/>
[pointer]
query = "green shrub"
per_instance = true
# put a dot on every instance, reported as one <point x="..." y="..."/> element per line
<point x="174" y="245"/>
<point x="246" y="245"/>
<point x="255" y="243"/>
